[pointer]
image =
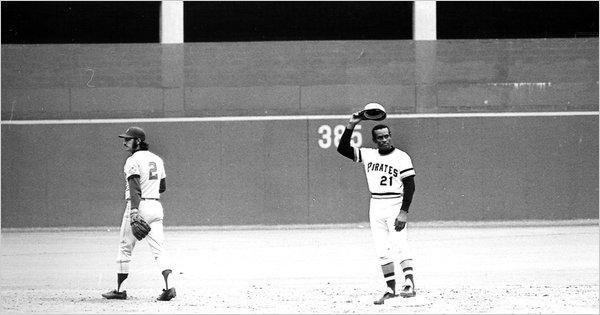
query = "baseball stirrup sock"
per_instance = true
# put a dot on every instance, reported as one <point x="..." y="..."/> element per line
<point x="165" y="274"/>
<point x="120" y="278"/>
<point x="389" y="276"/>
<point x="408" y="270"/>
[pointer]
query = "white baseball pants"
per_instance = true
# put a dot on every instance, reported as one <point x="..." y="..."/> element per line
<point x="390" y="245"/>
<point x="152" y="212"/>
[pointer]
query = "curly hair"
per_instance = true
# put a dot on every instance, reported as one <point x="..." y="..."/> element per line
<point x="141" y="146"/>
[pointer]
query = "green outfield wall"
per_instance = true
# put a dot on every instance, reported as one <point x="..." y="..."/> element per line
<point x="284" y="170"/>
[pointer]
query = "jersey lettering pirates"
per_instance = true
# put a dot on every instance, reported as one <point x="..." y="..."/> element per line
<point x="150" y="168"/>
<point x="385" y="172"/>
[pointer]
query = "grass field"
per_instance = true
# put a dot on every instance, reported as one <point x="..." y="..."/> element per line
<point x="487" y="267"/>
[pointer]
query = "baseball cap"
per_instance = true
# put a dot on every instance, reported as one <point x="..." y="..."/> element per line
<point x="134" y="133"/>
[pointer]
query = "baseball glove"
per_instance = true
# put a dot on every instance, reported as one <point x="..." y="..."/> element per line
<point x="139" y="227"/>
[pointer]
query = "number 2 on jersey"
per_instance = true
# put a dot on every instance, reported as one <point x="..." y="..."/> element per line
<point x="153" y="169"/>
<point x="384" y="181"/>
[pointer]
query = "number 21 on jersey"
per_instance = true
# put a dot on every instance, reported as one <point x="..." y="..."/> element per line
<point x="385" y="180"/>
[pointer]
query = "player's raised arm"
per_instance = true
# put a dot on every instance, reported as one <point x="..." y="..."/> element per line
<point x="344" y="148"/>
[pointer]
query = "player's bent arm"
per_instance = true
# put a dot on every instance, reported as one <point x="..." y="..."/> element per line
<point x="163" y="185"/>
<point x="135" y="191"/>
<point x="409" y="190"/>
<point x="344" y="148"/>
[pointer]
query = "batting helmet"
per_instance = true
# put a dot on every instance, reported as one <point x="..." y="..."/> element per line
<point x="373" y="111"/>
<point x="134" y="133"/>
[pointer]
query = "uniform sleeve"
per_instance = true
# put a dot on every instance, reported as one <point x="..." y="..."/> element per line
<point x="163" y="174"/>
<point x="131" y="168"/>
<point x="358" y="154"/>
<point x="406" y="167"/>
<point x="163" y="178"/>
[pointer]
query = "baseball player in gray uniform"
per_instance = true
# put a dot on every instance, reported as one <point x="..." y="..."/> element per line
<point x="390" y="177"/>
<point x="145" y="180"/>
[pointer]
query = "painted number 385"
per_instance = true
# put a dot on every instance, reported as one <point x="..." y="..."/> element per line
<point x="331" y="136"/>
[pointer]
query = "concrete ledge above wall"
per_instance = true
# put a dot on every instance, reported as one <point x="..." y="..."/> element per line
<point x="292" y="78"/>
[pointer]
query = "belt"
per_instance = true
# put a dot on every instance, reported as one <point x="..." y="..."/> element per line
<point x="128" y="199"/>
<point x="389" y="195"/>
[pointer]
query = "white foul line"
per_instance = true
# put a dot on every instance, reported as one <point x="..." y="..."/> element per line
<point x="290" y="117"/>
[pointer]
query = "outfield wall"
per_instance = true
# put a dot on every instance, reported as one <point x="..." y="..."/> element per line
<point x="285" y="170"/>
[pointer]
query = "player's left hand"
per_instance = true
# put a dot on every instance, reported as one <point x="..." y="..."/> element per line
<point x="355" y="118"/>
<point x="139" y="226"/>
<point x="400" y="222"/>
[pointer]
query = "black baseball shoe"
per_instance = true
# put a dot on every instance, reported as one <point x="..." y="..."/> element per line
<point x="386" y="295"/>
<point x="167" y="295"/>
<point x="115" y="295"/>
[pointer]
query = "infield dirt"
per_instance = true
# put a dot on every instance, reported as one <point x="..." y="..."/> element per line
<point x="541" y="268"/>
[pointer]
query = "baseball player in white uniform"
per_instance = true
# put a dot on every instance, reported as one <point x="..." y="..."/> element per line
<point x="390" y="177"/>
<point x="145" y="180"/>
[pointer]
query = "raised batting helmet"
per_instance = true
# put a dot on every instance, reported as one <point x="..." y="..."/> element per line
<point x="373" y="111"/>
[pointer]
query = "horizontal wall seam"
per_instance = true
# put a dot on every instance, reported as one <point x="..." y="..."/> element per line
<point x="290" y="117"/>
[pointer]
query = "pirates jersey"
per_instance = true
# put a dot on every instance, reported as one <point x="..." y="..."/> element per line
<point x="385" y="172"/>
<point x="150" y="168"/>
